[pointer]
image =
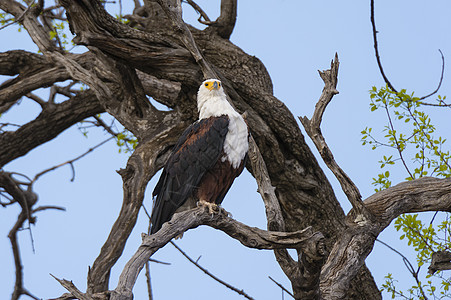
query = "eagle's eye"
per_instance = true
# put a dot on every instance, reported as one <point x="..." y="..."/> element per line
<point x="219" y="84"/>
<point x="206" y="84"/>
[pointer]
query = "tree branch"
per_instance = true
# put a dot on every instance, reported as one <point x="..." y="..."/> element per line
<point x="350" y="251"/>
<point x="201" y="12"/>
<point x="441" y="260"/>
<point x="282" y="287"/>
<point x="174" y="13"/>
<point x="29" y="20"/>
<point x="18" y="285"/>
<point x="44" y="78"/>
<point x="71" y="161"/>
<point x="145" y="161"/>
<point x="226" y="21"/>
<point x="240" y="292"/>
<point x="69" y="285"/>
<point x="381" y="69"/>
<point x="50" y="123"/>
<point x="181" y="222"/>
<point x="420" y="195"/>
<point x="312" y="127"/>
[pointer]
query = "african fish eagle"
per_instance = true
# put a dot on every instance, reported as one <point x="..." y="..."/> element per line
<point x="207" y="158"/>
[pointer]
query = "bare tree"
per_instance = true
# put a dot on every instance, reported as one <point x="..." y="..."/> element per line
<point x="156" y="54"/>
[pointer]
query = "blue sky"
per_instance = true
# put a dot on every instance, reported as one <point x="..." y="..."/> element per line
<point x="293" y="39"/>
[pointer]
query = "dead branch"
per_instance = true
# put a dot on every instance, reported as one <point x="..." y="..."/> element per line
<point x="18" y="285"/>
<point x="240" y="292"/>
<point x="70" y="162"/>
<point x="201" y="12"/>
<point x="148" y="281"/>
<point x="248" y="236"/>
<point x="282" y="287"/>
<point x="312" y="127"/>
<point x="69" y="285"/>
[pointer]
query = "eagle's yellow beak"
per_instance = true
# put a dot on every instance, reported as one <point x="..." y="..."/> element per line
<point x="212" y="85"/>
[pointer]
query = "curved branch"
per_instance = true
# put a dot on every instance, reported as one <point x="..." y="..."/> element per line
<point x="29" y="20"/>
<point x="44" y="78"/>
<point x="376" y="48"/>
<point x="381" y="69"/>
<point x="226" y="21"/>
<point x="420" y="195"/>
<point x="50" y="123"/>
<point x="356" y="242"/>
<point x="201" y="12"/>
<point x="440" y="81"/>
<point x="248" y="236"/>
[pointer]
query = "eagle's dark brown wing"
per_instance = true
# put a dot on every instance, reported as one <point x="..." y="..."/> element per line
<point x="197" y="150"/>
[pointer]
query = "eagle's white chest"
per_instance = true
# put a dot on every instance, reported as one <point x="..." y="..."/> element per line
<point x="236" y="142"/>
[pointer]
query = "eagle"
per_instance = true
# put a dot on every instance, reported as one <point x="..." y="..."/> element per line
<point x="206" y="159"/>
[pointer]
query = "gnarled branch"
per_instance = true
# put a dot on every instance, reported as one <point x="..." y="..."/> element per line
<point x="356" y="242"/>
<point x="312" y="127"/>
<point x="248" y="236"/>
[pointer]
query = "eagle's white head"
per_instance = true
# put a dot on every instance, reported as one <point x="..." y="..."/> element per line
<point x="212" y="101"/>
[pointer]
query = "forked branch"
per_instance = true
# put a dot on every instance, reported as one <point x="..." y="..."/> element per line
<point x="312" y="127"/>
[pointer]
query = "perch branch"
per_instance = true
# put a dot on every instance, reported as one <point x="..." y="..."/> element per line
<point x="249" y="236"/>
<point x="312" y="127"/>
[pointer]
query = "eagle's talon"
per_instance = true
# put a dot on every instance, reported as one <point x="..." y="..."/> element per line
<point x="212" y="207"/>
